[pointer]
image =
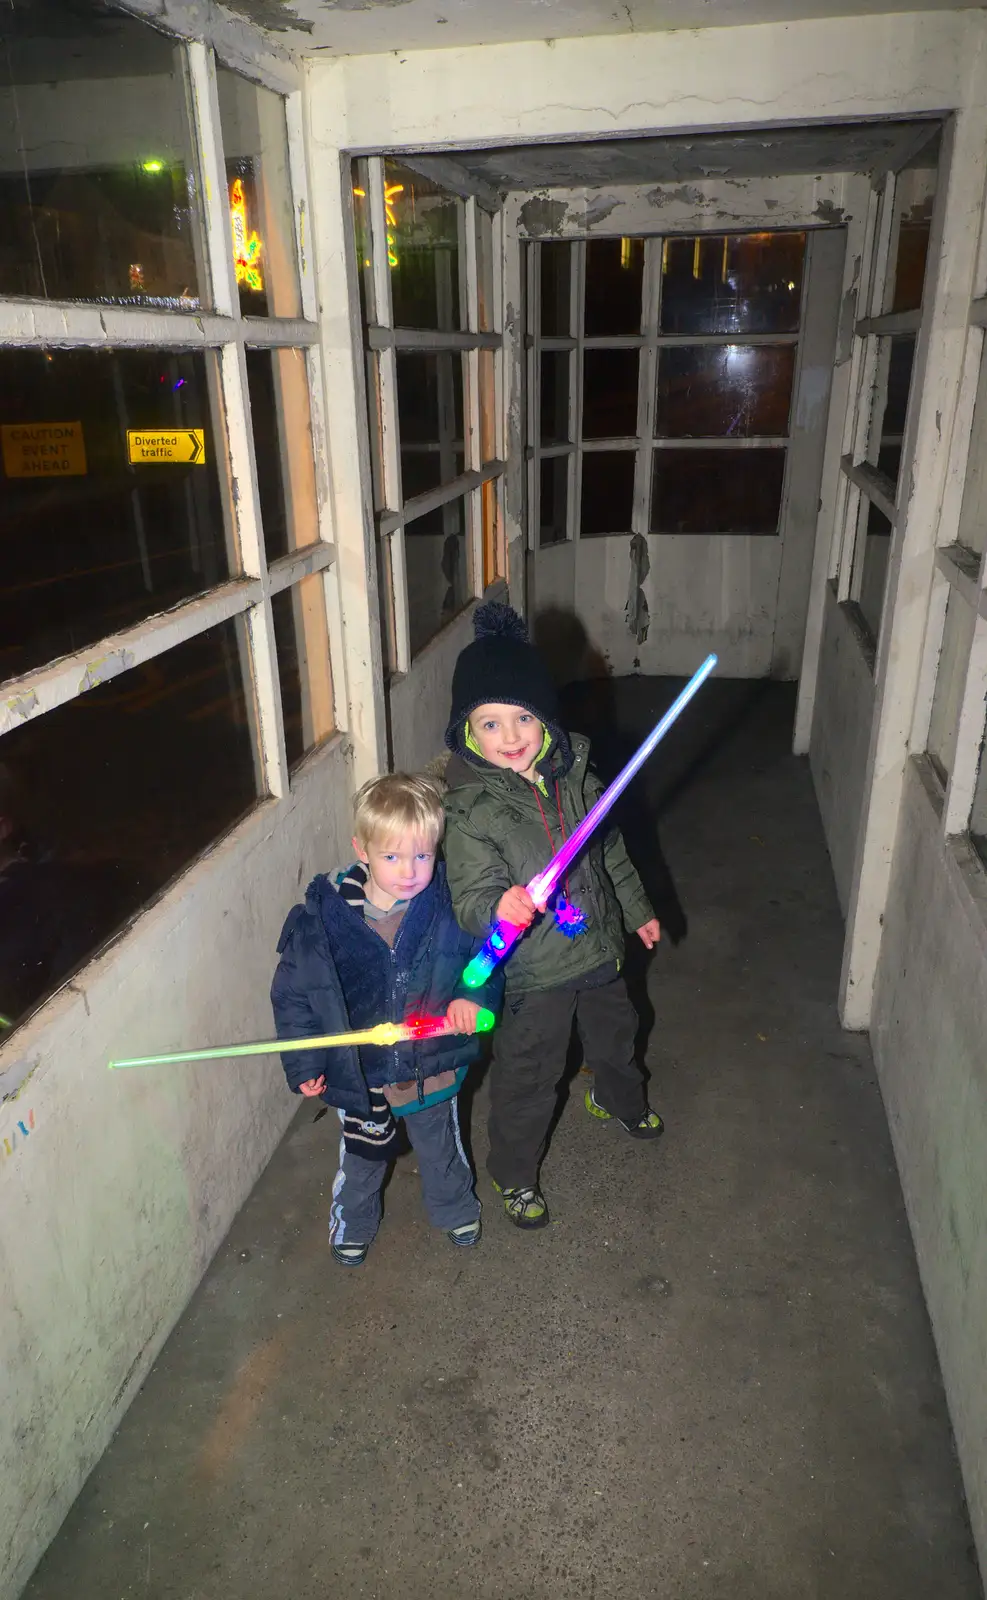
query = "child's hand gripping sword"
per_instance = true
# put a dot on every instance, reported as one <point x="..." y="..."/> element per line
<point x="505" y="935"/>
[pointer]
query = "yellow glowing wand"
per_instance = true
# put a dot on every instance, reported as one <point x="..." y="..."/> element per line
<point x="383" y="1033"/>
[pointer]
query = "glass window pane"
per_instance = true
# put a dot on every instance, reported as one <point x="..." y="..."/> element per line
<point x="607" y="501"/>
<point x="435" y="558"/>
<point x="733" y="283"/>
<point x="555" y="397"/>
<point x="555" y="268"/>
<point x="724" y="391"/>
<point x="895" y="361"/>
<point x="110" y="497"/>
<point x="281" y="423"/>
<point x="301" y="638"/>
<point x="488" y="407"/>
<point x="484" y="270"/>
<point x="973" y="515"/>
<point x="423" y="250"/>
<point x="108" y="797"/>
<point x="614" y="279"/>
<point x="98" y="186"/>
<point x="610" y="394"/>
<point x="262" y="218"/>
<point x="717" y="491"/>
<point x="957" y="637"/>
<point x="915" y="191"/>
<point x="430" y="418"/>
<point x="361" y="227"/>
<point x="554" y="485"/>
<point x="873" y="553"/>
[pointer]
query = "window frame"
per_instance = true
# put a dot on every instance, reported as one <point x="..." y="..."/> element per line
<point x="649" y="342"/>
<point x="225" y="331"/>
<point x="382" y="342"/>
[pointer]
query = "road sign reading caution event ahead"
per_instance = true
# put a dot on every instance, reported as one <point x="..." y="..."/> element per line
<point x="43" y="450"/>
<point x="181" y="445"/>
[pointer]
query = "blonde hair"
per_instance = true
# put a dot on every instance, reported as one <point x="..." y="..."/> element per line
<point x="399" y="802"/>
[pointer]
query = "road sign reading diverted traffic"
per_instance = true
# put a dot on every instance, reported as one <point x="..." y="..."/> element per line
<point x="43" y="450"/>
<point x="181" y="445"/>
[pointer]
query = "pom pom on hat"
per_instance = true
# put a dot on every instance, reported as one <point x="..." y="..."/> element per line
<point x="497" y="621"/>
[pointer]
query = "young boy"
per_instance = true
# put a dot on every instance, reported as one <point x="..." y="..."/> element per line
<point x="379" y="943"/>
<point x="517" y="788"/>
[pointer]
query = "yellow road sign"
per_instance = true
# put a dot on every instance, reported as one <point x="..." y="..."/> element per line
<point x="181" y="445"/>
<point x="43" y="450"/>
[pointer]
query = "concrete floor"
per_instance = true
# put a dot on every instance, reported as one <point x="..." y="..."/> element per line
<point x="712" y="1376"/>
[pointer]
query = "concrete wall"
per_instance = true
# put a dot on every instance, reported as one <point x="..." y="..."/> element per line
<point x="841" y="729"/>
<point x="117" y="1188"/>
<point x="928" y="1031"/>
<point x="419" y="702"/>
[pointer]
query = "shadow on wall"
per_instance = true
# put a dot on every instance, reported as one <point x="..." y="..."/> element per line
<point x="590" y="704"/>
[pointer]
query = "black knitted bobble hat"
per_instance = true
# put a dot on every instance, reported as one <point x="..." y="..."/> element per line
<point x="500" y="667"/>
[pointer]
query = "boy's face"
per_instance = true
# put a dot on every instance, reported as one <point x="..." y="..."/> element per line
<point x="400" y="866"/>
<point x="508" y="736"/>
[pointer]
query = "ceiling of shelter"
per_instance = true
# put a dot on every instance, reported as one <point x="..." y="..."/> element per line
<point x="354" y="27"/>
<point x="770" y="152"/>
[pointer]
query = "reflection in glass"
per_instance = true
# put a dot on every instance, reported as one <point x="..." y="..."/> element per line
<point x="301" y="639"/>
<point x="281" y="423"/>
<point x="724" y="391"/>
<point x="262" y="222"/>
<point x="97" y="177"/>
<point x="610" y="394"/>
<point x="732" y="283"/>
<point x="93" y="539"/>
<point x="430" y="418"/>
<point x="915" y="191"/>
<point x="614" y="280"/>
<point x="423" y="250"/>
<point x="554" y="487"/>
<point x="435" y="558"/>
<point x="105" y="799"/>
<point x="717" y="491"/>
<point x="554" y="397"/>
<point x="957" y="637"/>
<point x="874" y="551"/>
<point x="556" y="266"/>
<point x="607" y="499"/>
<point x="360" y="170"/>
<point x="888" y="424"/>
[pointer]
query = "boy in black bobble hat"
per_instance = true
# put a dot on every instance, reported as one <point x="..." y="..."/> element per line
<point x="517" y="788"/>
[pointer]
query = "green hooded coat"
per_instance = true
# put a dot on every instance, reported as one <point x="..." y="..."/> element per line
<point x="496" y="836"/>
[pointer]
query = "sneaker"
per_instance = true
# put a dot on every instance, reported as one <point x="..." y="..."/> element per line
<point x="648" y="1126"/>
<point x="468" y="1235"/>
<point x="526" y="1208"/>
<point x="350" y="1255"/>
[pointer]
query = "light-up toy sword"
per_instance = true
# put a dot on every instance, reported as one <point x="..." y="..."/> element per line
<point x="505" y="935"/>
<point x="383" y="1033"/>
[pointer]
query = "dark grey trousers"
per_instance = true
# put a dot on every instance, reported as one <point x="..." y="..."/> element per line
<point x="447" y="1179"/>
<point x="529" y="1059"/>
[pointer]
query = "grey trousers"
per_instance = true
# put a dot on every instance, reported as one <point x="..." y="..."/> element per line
<point x="447" y="1179"/>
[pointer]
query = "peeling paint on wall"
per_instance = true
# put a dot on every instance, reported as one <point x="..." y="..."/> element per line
<point x="540" y="215"/>
<point x="829" y="213"/>
<point x="278" y="16"/>
<point x="105" y="668"/>
<point x="685" y="193"/>
<point x="848" y="317"/>
<point x="19" y="708"/>
<point x="637" y="613"/>
<point x="599" y="208"/>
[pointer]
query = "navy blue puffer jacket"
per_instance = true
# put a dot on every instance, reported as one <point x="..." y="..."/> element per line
<point x="337" y="974"/>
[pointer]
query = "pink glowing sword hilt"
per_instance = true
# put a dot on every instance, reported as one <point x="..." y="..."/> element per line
<point x="505" y="935"/>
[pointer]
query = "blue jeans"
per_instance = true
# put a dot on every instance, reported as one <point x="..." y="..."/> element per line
<point x="447" y="1180"/>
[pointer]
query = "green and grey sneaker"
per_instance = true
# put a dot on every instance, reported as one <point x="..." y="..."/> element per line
<point x="649" y="1125"/>
<point x="526" y="1208"/>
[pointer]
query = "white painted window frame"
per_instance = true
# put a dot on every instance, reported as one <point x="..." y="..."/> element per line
<point x="650" y="342"/>
<point x="224" y="330"/>
<point x="385" y="341"/>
